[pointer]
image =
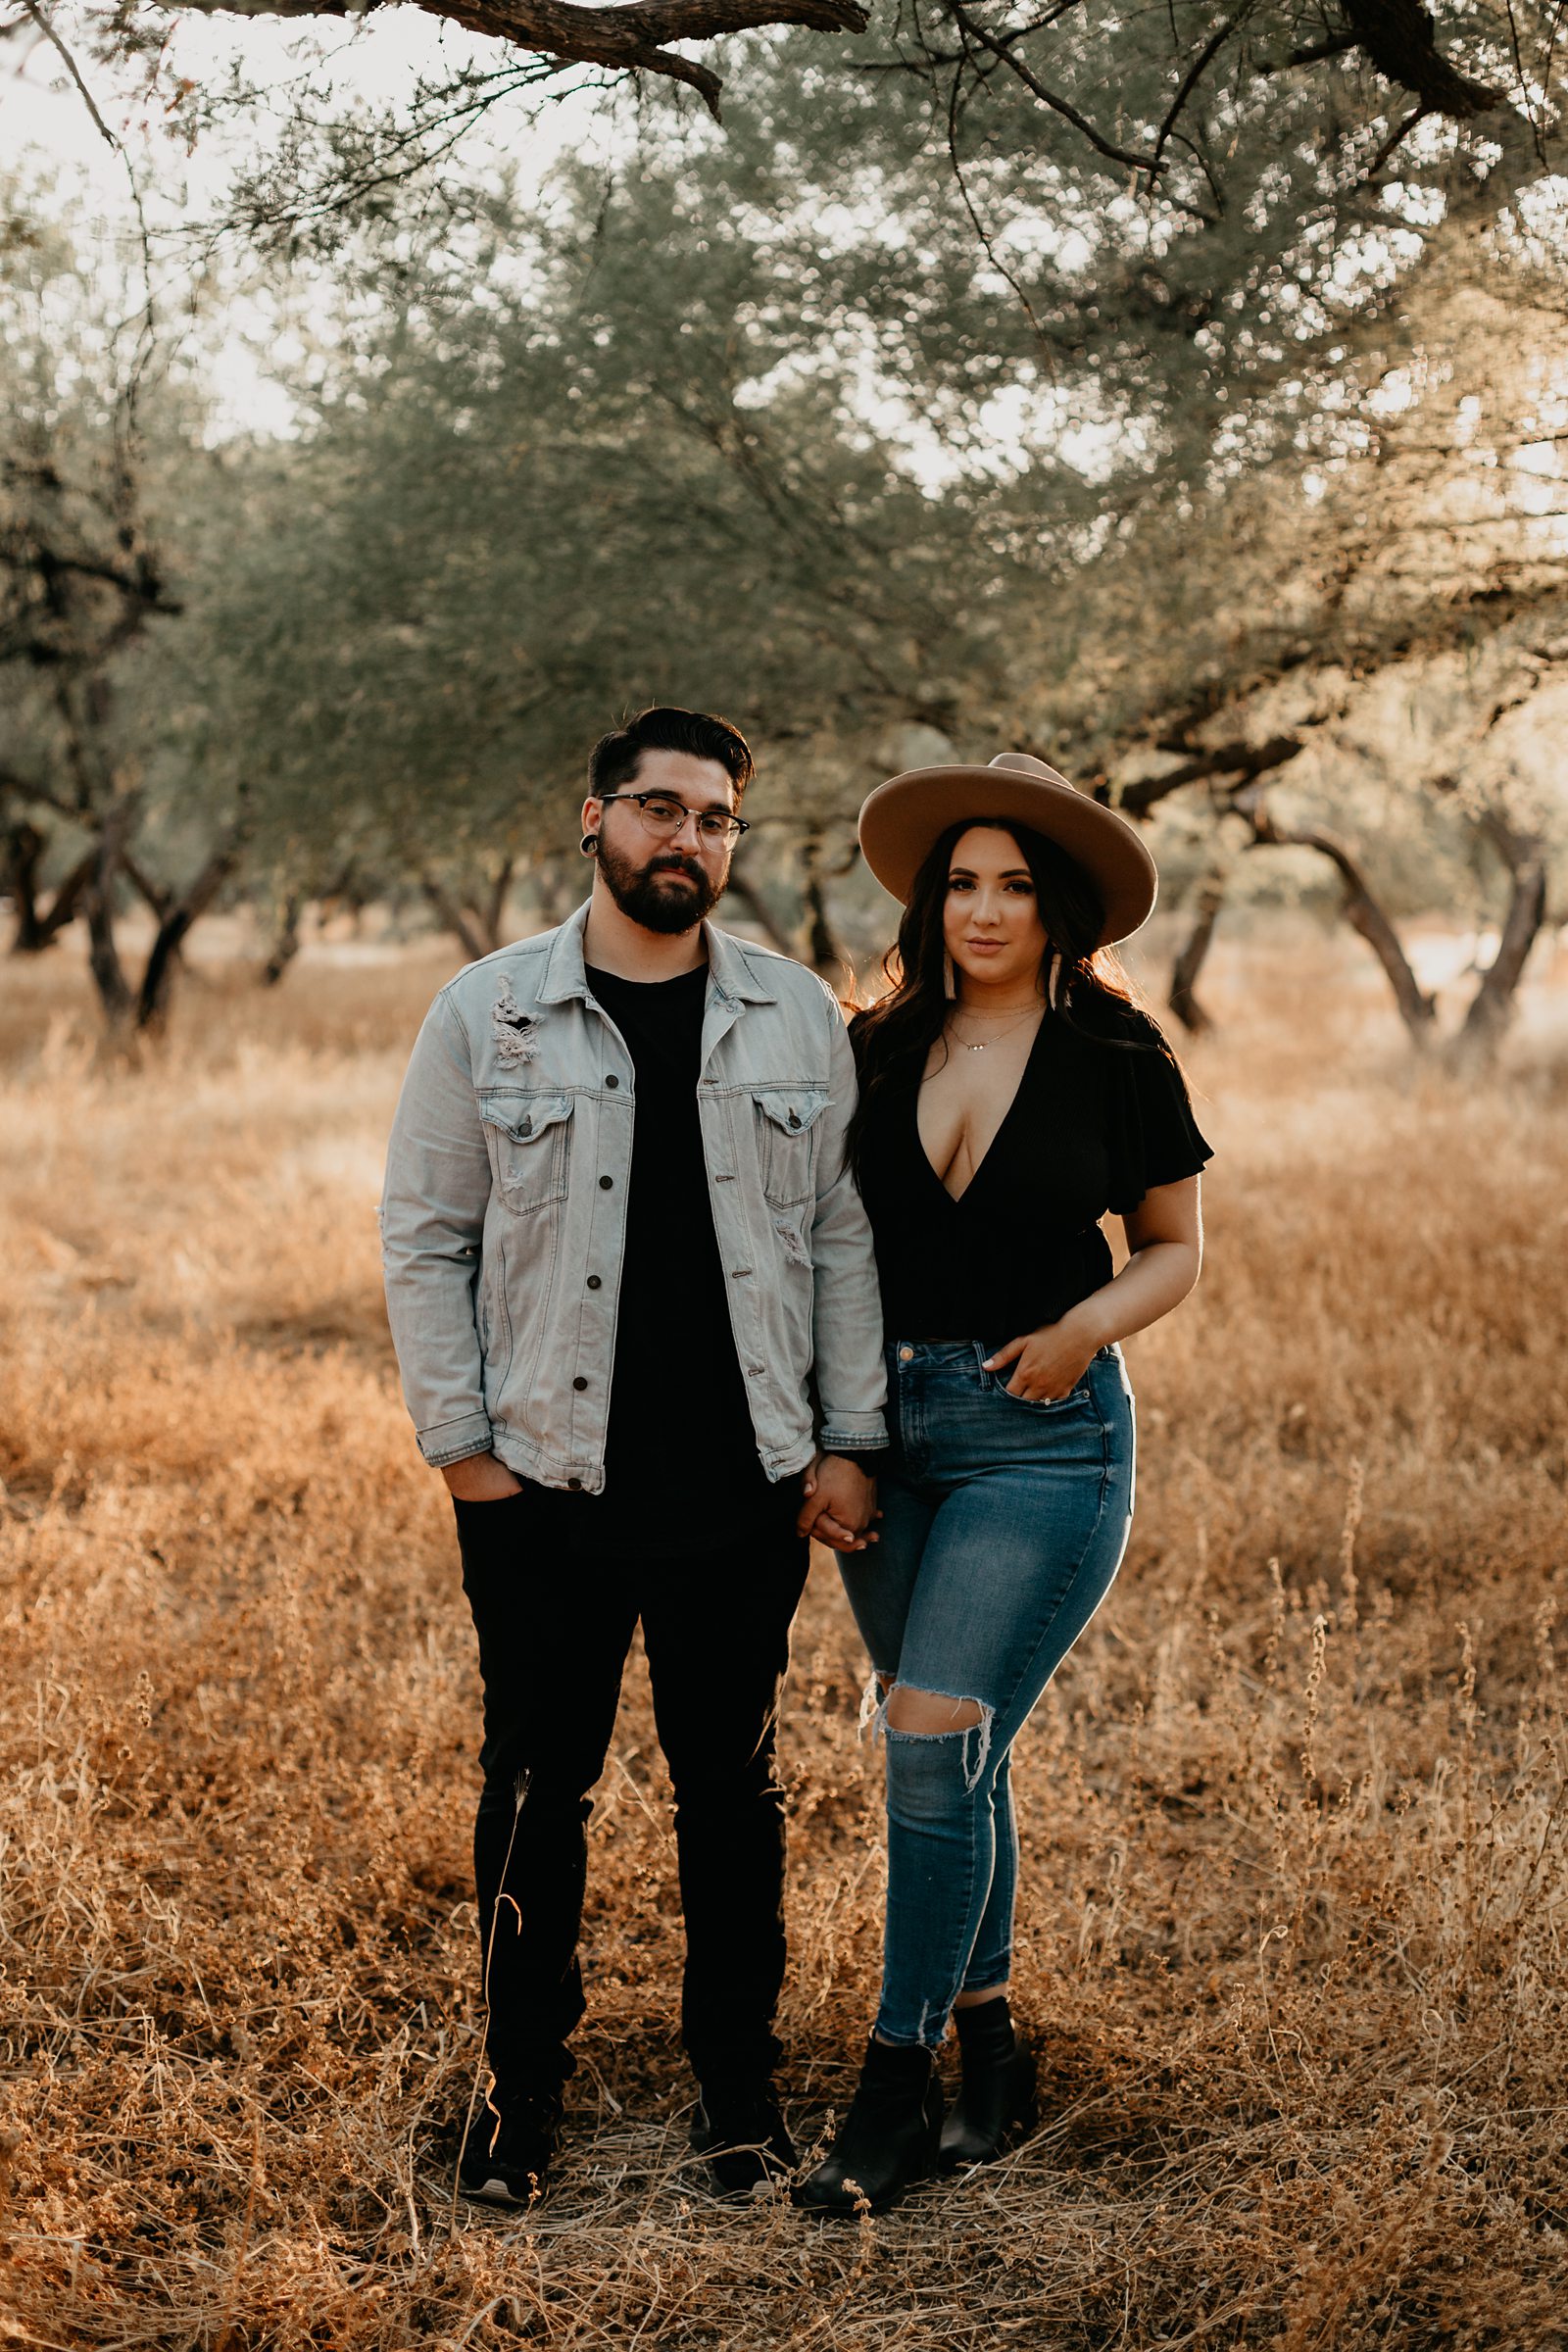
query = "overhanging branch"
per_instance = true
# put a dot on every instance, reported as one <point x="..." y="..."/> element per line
<point x="625" y="38"/>
<point x="1245" y="761"/>
<point x="1363" y="910"/>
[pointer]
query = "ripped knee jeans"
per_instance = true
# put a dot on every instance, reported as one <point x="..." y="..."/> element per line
<point x="1004" y="1523"/>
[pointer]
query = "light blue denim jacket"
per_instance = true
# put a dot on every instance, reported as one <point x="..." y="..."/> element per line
<point x="503" y="1215"/>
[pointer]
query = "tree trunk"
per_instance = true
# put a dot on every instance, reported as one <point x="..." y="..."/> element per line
<point x="826" y="951"/>
<point x="152" y="998"/>
<point x="115" y="993"/>
<point x="455" y="916"/>
<point x="1492" y="1006"/>
<point x="1361" y="911"/>
<point x="746" y="893"/>
<point x="24" y="847"/>
<point x="285" y="940"/>
<point x="556" y="885"/>
<point x="1189" y="962"/>
<point x="491" y="913"/>
<point x="82" y="704"/>
<point x="37" y="927"/>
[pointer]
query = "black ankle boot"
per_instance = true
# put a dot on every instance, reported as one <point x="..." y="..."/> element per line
<point x="510" y="2144"/>
<point x="888" y="2139"/>
<point x="740" y="2127"/>
<point x="996" y="2096"/>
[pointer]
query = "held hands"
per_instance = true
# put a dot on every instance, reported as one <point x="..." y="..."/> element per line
<point x="481" y="1478"/>
<point x="1048" y="1364"/>
<point x="839" y="1502"/>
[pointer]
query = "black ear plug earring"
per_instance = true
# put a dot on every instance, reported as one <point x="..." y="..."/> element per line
<point x="589" y="844"/>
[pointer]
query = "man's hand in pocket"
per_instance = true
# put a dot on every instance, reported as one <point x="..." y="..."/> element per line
<point x="481" y="1478"/>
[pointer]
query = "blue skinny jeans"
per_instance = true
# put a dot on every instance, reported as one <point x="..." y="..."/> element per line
<point x="1004" y="1526"/>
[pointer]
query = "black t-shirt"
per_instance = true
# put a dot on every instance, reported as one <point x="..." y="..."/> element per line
<point x="682" y="1472"/>
<point x="1097" y="1120"/>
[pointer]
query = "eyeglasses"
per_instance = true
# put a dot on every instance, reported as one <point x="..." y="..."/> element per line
<point x="664" y="818"/>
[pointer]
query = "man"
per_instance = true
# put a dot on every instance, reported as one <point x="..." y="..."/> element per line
<point x="633" y="1296"/>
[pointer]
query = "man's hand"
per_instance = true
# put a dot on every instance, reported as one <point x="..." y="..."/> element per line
<point x="1048" y="1364"/>
<point x="481" y="1478"/>
<point x="839" y="1502"/>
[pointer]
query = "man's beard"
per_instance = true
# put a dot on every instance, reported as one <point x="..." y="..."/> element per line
<point x="649" y="895"/>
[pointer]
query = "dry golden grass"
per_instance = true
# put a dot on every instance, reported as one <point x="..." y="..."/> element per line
<point x="1293" y="1910"/>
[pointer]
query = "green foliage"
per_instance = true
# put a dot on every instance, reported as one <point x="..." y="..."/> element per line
<point x="1004" y="377"/>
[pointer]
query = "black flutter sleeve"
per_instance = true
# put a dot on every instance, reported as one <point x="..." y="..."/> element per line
<point x="1153" y="1136"/>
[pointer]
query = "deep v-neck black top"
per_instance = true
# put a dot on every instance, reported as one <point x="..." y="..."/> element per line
<point x="1097" y="1120"/>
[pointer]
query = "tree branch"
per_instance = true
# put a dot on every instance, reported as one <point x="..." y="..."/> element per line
<point x="1313" y="55"/>
<point x="151" y="894"/>
<point x="1047" y="97"/>
<point x="1401" y="39"/>
<point x="1362" y="912"/>
<point x="1244" y="760"/>
<point x="625" y="38"/>
<point x="74" y="70"/>
<point x="1190" y="78"/>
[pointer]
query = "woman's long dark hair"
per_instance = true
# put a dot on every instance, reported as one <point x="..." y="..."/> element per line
<point x="900" y="1028"/>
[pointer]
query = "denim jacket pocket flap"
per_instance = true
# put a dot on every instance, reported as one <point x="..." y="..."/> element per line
<point x="528" y="1138"/>
<point x="791" y="1108"/>
<point x="786" y="1116"/>
<point x="524" y="1116"/>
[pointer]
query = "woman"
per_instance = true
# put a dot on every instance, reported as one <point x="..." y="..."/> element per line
<point x="1010" y="1098"/>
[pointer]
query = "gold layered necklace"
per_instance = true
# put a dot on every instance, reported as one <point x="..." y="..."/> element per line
<point x="1017" y="1021"/>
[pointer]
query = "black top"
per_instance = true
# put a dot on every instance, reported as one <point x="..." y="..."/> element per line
<point x="682" y="1471"/>
<point x="1094" y="1125"/>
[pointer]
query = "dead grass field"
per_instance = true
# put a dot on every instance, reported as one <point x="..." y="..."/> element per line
<point x="1295" y="1888"/>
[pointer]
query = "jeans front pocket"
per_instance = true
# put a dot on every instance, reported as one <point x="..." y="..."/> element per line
<point x="996" y="1385"/>
<point x="1041" y="1404"/>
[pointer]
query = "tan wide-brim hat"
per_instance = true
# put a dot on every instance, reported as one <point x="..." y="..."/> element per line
<point x="901" y="820"/>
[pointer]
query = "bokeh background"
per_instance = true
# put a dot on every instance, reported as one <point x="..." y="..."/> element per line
<point x="1179" y="395"/>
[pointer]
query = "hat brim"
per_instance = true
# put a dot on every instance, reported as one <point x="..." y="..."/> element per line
<point x="901" y="820"/>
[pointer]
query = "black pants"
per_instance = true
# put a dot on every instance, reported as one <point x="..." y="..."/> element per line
<point x="554" y="1626"/>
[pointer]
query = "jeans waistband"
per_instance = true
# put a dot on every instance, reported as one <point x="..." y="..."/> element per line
<point x="962" y="1350"/>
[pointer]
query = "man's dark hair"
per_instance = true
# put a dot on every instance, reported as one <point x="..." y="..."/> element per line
<point x="614" y="761"/>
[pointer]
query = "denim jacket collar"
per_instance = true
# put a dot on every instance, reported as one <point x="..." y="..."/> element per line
<point x="730" y="966"/>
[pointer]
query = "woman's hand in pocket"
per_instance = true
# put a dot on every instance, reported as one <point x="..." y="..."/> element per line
<point x="1047" y="1364"/>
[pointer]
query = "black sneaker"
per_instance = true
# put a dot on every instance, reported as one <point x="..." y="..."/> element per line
<point x="507" y="2154"/>
<point x="742" y="2135"/>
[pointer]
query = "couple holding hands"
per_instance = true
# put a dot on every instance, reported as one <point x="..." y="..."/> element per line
<point x="683" y="1273"/>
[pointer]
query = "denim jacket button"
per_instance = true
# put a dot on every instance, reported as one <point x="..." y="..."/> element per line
<point x="579" y="1382"/>
<point x="605" y="1182"/>
<point x="593" y="1282"/>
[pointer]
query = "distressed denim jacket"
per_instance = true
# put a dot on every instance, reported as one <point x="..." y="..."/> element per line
<point x="503" y="1215"/>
